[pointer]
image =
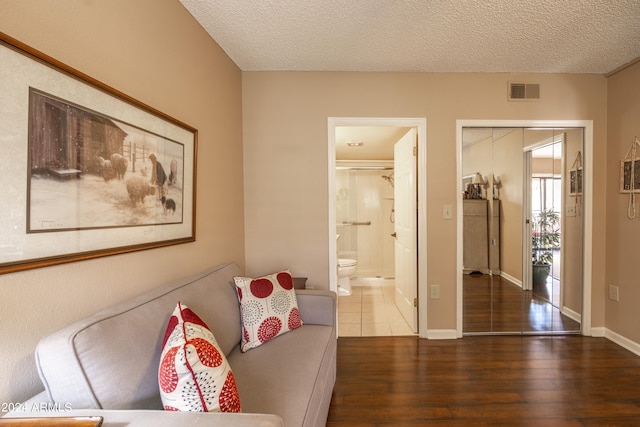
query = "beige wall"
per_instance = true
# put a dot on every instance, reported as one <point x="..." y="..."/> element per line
<point x="285" y="162"/>
<point x="154" y="51"/>
<point x="623" y="234"/>
<point x="507" y="164"/>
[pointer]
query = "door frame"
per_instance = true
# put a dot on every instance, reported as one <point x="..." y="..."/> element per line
<point x="421" y="125"/>
<point x="526" y="208"/>
<point x="587" y="253"/>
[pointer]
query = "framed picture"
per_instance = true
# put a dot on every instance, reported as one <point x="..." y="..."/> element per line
<point x="575" y="182"/>
<point x="87" y="171"/>
<point x="466" y="182"/>
<point x="629" y="183"/>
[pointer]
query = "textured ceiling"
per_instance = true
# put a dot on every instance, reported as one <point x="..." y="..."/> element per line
<point x="545" y="36"/>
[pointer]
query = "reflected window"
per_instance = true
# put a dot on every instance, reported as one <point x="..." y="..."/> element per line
<point x="546" y="194"/>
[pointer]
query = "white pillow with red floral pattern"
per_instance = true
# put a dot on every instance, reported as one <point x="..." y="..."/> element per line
<point x="268" y="306"/>
<point x="194" y="374"/>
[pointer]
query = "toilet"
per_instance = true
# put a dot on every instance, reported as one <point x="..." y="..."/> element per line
<point x="346" y="269"/>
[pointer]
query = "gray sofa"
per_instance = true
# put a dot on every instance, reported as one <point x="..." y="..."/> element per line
<point x="107" y="364"/>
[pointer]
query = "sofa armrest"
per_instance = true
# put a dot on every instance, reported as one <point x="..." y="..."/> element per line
<point x="142" y="418"/>
<point x="40" y="400"/>
<point x="317" y="307"/>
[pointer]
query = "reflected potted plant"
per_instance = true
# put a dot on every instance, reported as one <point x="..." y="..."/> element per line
<point x="545" y="238"/>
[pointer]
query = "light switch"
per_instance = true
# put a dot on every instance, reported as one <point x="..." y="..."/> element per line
<point x="435" y="291"/>
<point x="447" y="212"/>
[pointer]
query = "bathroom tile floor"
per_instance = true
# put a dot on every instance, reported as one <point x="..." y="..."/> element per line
<point x="370" y="310"/>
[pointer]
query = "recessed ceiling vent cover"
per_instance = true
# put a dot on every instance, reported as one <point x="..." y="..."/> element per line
<point x="524" y="92"/>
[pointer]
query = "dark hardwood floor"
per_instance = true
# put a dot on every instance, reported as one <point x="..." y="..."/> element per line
<point x="485" y="381"/>
<point x="493" y="304"/>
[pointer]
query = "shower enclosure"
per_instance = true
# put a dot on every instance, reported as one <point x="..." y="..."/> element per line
<point x="364" y="217"/>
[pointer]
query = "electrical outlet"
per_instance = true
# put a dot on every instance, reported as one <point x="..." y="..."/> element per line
<point x="614" y="293"/>
<point x="435" y="291"/>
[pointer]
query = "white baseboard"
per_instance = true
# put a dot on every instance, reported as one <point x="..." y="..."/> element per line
<point x="632" y="346"/>
<point x="624" y="342"/>
<point x="573" y="315"/>
<point x="511" y="279"/>
<point x="442" y="334"/>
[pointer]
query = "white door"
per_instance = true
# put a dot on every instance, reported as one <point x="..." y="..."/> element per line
<point x="406" y="242"/>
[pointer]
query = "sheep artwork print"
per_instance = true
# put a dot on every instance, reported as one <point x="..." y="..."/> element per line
<point x="90" y="171"/>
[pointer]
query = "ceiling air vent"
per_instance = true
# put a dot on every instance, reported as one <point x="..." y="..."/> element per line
<point x="524" y="92"/>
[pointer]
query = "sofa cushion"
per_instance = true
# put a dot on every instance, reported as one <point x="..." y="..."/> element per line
<point x="194" y="374"/>
<point x="268" y="306"/>
<point x="291" y="376"/>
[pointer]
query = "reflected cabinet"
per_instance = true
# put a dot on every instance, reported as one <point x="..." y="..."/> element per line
<point x="481" y="235"/>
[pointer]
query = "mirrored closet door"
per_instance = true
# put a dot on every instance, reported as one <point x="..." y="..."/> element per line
<point x="522" y="230"/>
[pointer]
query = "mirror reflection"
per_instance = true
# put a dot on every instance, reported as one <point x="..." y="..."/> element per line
<point x="522" y="230"/>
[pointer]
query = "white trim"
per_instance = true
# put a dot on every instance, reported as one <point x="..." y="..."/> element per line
<point x="527" y="226"/>
<point x="555" y="139"/>
<point x="622" y="341"/>
<point x="563" y="238"/>
<point x="572" y="314"/>
<point x="587" y="200"/>
<point x="442" y="334"/>
<point x="364" y="164"/>
<point x="511" y="279"/>
<point x="459" y="224"/>
<point x="421" y="125"/>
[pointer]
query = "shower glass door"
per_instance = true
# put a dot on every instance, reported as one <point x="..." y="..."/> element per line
<point x="364" y="218"/>
<point x="347" y="213"/>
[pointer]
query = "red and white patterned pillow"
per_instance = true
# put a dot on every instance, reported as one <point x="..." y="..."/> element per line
<point x="269" y="308"/>
<point x="194" y="374"/>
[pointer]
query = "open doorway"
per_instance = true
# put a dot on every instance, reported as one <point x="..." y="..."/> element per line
<point x="363" y="224"/>
<point x="544" y="198"/>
